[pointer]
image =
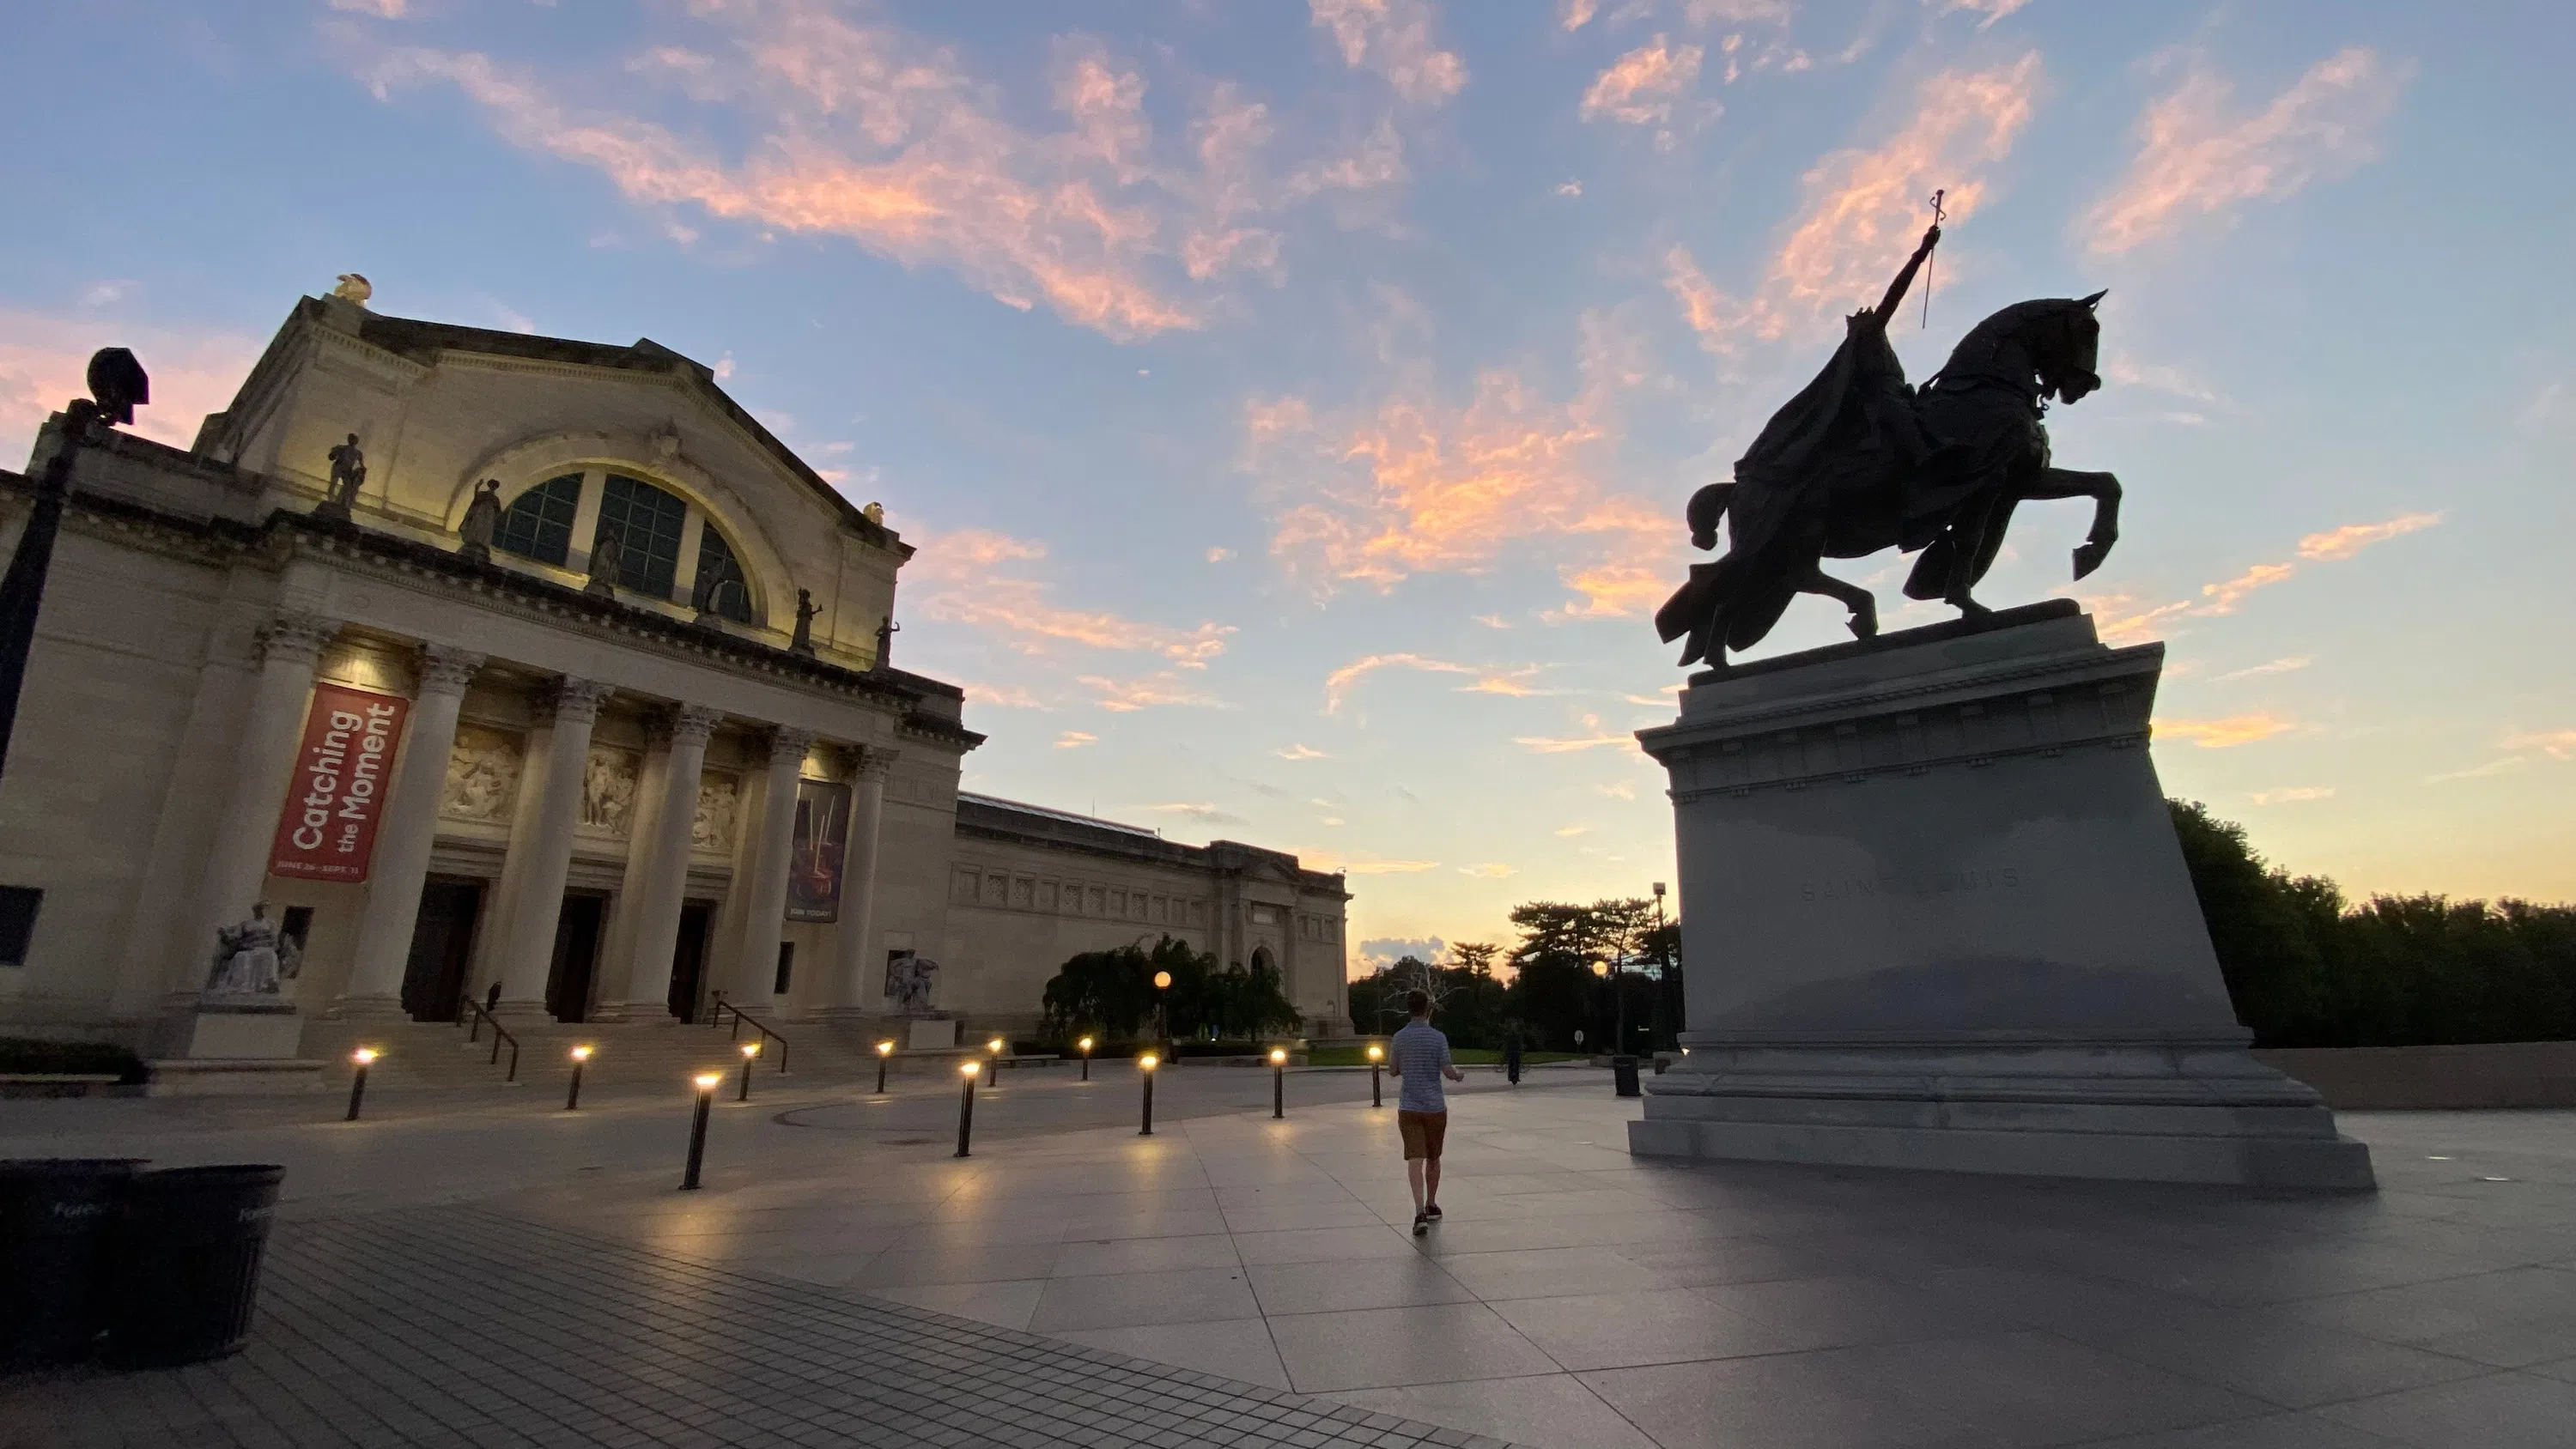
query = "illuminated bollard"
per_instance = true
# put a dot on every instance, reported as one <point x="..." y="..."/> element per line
<point x="1278" y="1082"/>
<point x="358" y="1083"/>
<point x="580" y="1059"/>
<point x="707" y="1084"/>
<point x="968" y="1072"/>
<point x="750" y="1050"/>
<point x="993" y="1062"/>
<point x="1085" y="1044"/>
<point x="885" y="1049"/>
<point x="1377" y="1065"/>
<point x="1146" y="1064"/>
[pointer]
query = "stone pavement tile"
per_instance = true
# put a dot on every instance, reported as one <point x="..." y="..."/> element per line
<point x="2497" y="1411"/>
<point x="2564" y="1368"/>
<point x="1317" y="1189"/>
<point x="1238" y="1348"/>
<point x="1786" y="1401"/>
<point x="1097" y="1226"/>
<point x="1005" y="1305"/>
<point x="1321" y="1245"/>
<point x="1503" y="1223"/>
<point x="1627" y="1330"/>
<point x="1387" y="1347"/>
<point x="1144" y="1255"/>
<point x="1843" y="1310"/>
<point x="2506" y="1318"/>
<point x="1188" y="1295"/>
<point x="2029" y="1387"/>
<point x="2272" y="1431"/>
<point x="2255" y="1352"/>
<point x="962" y="1265"/>
<point x="945" y="1233"/>
<point x="1697" y="1262"/>
<point x="1547" y="1272"/>
<point x="1546" y="1411"/>
<point x="1285" y="1217"/>
<point x="1333" y="1286"/>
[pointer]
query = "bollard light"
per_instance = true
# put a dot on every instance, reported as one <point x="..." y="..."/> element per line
<point x="1146" y="1064"/>
<point x="1377" y="1064"/>
<point x="966" y="1071"/>
<point x="750" y="1049"/>
<point x="358" y="1083"/>
<point x="580" y="1058"/>
<point x="707" y="1084"/>
<point x="1085" y="1044"/>
<point x="1278" y="1081"/>
<point x="885" y="1049"/>
<point x="993" y="1066"/>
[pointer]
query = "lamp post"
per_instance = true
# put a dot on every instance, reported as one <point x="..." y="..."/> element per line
<point x="1278" y="1082"/>
<point x="1146" y="1064"/>
<point x="1377" y="1065"/>
<point x="993" y="1062"/>
<point x="1663" y="972"/>
<point x="967" y="1071"/>
<point x="580" y="1059"/>
<point x="707" y="1083"/>
<point x="1162" y="1022"/>
<point x="750" y="1050"/>
<point x="358" y="1083"/>
<point x="885" y="1049"/>
<point x="1085" y="1045"/>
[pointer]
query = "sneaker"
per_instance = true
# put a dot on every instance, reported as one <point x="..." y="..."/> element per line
<point x="1421" y="1225"/>
<point x="1432" y="1212"/>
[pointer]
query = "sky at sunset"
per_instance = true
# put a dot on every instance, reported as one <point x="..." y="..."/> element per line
<point x="1293" y="403"/>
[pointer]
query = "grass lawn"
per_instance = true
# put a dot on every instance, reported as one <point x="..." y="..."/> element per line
<point x="1463" y="1056"/>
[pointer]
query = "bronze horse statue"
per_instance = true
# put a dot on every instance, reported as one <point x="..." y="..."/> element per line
<point x="1858" y="462"/>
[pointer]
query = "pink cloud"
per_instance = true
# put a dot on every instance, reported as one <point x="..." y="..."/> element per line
<point x="1642" y="87"/>
<point x="44" y="363"/>
<point x="2198" y="157"/>
<point x="1337" y="685"/>
<point x="1393" y="38"/>
<point x="2220" y="734"/>
<point x="966" y="578"/>
<point x="2352" y="538"/>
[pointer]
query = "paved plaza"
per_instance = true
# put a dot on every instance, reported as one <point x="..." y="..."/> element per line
<point x="460" y="1272"/>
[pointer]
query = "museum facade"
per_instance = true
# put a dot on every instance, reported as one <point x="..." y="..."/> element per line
<point x="482" y="661"/>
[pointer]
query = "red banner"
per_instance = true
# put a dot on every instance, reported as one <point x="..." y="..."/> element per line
<point x="328" y="829"/>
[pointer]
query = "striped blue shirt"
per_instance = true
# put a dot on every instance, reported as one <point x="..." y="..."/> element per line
<point x="1419" y="1052"/>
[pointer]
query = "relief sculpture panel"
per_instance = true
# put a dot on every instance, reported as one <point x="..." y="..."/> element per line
<point x="719" y="812"/>
<point x="482" y="776"/>
<point x="608" y="783"/>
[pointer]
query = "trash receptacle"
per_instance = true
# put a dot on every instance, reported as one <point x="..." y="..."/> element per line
<point x="183" y="1263"/>
<point x="55" y="1214"/>
<point x="1623" y="1071"/>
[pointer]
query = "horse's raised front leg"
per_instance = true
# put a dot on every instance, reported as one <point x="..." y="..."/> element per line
<point x="1862" y="603"/>
<point x="2104" y="490"/>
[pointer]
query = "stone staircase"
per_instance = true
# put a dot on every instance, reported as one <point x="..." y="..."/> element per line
<point x="625" y="1054"/>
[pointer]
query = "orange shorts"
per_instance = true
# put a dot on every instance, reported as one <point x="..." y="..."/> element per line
<point x="1423" y="1133"/>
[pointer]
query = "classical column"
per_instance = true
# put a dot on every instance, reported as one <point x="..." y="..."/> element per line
<point x="236" y="875"/>
<point x="657" y="878"/>
<point x="859" y="886"/>
<point x="765" y="891"/>
<point x="403" y="841"/>
<point x="528" y="947"/>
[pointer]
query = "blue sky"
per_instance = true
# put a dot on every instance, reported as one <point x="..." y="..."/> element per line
<point x="1294" y="402"/>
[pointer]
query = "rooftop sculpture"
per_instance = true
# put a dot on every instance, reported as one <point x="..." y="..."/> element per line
<point x="1860" y="461"/>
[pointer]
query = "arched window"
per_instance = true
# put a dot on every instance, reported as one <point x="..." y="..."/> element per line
<point x="645" y="521"/>
<point x="722" y="589"/>
<point x="538" y="523"/>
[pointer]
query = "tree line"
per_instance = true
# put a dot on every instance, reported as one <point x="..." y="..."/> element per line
<point x="1111" y="995"/>
<point x="1571" y="969"/>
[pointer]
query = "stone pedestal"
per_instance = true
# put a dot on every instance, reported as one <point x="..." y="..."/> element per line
<point x="221" y="1047"/>
<point x="1934" y="916"/>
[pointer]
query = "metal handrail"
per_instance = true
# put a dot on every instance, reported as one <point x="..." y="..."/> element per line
<point x="715" y="1017"/>
<point x="471" y="1015"/>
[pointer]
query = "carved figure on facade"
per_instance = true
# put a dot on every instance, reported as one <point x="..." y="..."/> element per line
<point x="887" y="628"/>
<point x="482" y="776"/>
<point x="911" y="981"/>
<point x="604" y="565"/>
<point x="348" y="475"/>
<point x="482" y="522"/>
<point x="802" y="641"/>
<point x="719" y="810"/>
<point x="608" y="784"/>
<point x="353" y="288"/>
<point x="252" y="957"/>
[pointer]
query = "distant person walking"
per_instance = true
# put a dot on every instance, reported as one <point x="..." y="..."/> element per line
<point x="1512" y="1056"/>
<point x="1421" y="1056"/>
<point x="492" y="999"/>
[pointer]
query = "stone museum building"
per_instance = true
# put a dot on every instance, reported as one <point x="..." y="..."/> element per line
<point x="477" y="660"/>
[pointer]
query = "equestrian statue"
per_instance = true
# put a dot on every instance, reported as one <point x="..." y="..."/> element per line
<point x="1859" y="462"/>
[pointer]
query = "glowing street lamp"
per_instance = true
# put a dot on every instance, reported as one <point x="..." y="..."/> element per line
<point x="1162" y="1021"/>
<point x="1278" y="1081"/>
<point x="993" y="1062"/>
<point x="1146" y="1065"/>
<point x="707" y="1082"/>
<point x="1085" y="1044"/>
<point x="966" y="1070"/>
<point x="750" y="1049"/>
<point x="885" y="1049"/>
<point x="1377" y="1065"/>
<point x="358" y="1083"/>
<point x="580" y="1058"/>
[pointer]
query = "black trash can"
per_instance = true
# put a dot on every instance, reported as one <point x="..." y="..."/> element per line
<point x="1623" y="1072"/>
<point x="183" y="1265"/>
<point x="55" y="1216"/>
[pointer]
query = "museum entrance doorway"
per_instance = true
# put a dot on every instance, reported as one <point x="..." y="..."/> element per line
<point x="442" y="941"/>
<point x="689" y="958"/>
<point x="568" y="979"/>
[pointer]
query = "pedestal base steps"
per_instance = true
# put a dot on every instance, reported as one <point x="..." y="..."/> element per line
<point x="1934" y="916"/>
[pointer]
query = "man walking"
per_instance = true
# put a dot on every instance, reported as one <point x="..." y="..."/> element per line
<point x="1421" y="1056"/>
